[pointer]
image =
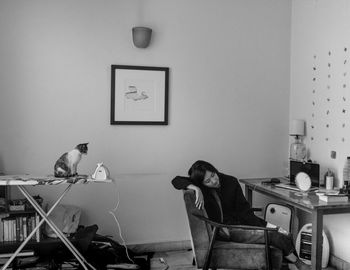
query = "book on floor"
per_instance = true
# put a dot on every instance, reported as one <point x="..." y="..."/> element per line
<point x="22" y="253"/>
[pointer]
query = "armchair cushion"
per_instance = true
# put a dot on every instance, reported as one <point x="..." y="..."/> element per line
<point x="230" y="255"/>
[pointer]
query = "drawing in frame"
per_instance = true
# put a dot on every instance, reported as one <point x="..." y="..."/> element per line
<point x="139" y="95"/>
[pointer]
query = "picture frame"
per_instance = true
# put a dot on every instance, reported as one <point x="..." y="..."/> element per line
<point x="139" y="95"/>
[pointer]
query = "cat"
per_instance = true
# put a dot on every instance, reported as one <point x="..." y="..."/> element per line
<point x="66" y="165"/>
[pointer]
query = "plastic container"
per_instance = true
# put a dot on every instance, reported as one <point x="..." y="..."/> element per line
<point x="329" y="179"/>
<point x="329" y="182"/>
<point x="346" y="170"/>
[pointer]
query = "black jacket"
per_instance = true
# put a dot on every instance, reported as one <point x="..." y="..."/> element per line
<point x="236" y="209"/>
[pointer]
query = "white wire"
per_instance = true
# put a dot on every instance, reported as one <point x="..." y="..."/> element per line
<point x="119" y="229"/>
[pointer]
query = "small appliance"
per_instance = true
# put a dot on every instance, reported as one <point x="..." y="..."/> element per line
<point x="280" y="215"/>
<point x="303" y="245"/>
<point x="101" y="173"/>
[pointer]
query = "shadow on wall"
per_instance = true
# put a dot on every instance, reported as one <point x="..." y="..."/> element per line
<point x="1" y="165"/>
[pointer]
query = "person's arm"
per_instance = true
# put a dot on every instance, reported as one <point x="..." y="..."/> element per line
<point x="180" y="182"/>
<point x="246" y="212"/>
<point x="199" y="196"/>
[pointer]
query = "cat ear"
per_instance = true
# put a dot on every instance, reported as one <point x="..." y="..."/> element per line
<point x="82" y="144"/>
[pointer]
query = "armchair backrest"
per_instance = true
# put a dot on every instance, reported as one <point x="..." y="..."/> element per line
<point x="200" y="230"/>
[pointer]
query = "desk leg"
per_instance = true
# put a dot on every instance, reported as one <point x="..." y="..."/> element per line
<point x="317" y="240"/>
<point x="53" y="226"/>
<point x="249" y="195"/>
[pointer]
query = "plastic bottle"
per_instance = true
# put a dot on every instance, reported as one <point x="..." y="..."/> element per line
<point x="346" y="170"/>
<point x="329" y="179"/>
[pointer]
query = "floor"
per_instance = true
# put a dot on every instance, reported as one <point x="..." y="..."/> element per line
<point x="182" y="260"/>
<point x="172" y="260"/>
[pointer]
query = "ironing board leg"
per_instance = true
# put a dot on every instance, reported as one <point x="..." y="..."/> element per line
<point x="35" y="229"/>
<point x="53" y="226"/>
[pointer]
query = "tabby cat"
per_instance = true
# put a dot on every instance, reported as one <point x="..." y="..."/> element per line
<point x="66" y="165"/>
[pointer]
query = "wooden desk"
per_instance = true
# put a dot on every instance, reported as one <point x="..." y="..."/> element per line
<point x="308" y="203"/>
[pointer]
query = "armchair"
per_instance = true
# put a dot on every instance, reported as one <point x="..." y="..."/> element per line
<point x="212" y="253"/>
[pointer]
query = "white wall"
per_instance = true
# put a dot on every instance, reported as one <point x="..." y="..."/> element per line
<point x="320" y="39"/>
<point x="228" y="104"/>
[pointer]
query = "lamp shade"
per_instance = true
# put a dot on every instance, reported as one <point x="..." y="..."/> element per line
<point x="297" y="128"/>
<point x="141" y="36"/>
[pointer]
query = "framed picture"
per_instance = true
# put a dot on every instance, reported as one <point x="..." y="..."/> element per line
<point x="139" y="95"/>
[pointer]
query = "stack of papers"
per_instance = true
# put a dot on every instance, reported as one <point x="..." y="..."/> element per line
<point x="332" y="196"/>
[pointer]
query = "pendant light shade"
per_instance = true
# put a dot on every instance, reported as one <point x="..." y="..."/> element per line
<point x="141" y="36"/>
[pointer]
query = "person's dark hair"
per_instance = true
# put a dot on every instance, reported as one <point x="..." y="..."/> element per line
<point x="198" y="169"/>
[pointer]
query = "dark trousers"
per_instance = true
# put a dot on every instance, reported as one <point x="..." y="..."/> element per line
<point x="279" y="240"/>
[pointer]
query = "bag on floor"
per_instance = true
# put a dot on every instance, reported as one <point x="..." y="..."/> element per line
<point x="66" y="218"/>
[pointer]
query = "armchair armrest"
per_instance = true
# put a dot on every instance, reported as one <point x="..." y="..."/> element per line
<point x="245" y="227"/>
<point x="217" y="226"/>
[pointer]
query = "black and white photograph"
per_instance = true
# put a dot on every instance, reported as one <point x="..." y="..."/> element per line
<point x="175" y="134"/>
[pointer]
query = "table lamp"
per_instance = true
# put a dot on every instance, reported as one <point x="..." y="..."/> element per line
<point x="297" y="148"/>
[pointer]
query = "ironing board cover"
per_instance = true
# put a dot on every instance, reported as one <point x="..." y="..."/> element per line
<point x="32" y="180"/>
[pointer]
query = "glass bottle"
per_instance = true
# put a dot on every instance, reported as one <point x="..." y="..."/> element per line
<point x="298" y="149"/>
<point x="346" y="171"/>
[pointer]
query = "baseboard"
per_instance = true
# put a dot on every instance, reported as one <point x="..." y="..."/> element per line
<point x="338" y="263"/>
<point x="161" y="246"/>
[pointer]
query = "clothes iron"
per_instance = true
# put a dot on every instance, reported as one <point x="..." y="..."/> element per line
<point x="101" y="173"/>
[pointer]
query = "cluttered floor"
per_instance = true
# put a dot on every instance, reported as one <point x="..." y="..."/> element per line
<point x="172" y="260"/>
<point x="182" y="260"/>
<point x="169" y="260"/>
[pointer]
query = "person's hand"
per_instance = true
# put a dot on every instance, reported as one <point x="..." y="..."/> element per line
<point x="270" y="225"/>
<point x="199" y="199"/>
<point x="279" y="229"/>
<point x="199" y="202"/>
<point x="283" y="231"/>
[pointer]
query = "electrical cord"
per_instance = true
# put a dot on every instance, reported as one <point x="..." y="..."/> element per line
<point x="112" y="212"/>
<point x="162" y="261"/>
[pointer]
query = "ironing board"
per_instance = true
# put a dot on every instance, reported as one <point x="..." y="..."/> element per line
<point x="20" y="181"/>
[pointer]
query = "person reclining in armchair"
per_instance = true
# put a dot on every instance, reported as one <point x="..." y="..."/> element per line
<point x="224" y="202"/>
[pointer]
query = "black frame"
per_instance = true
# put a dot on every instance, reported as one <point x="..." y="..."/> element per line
<point x="113" y="120"/>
